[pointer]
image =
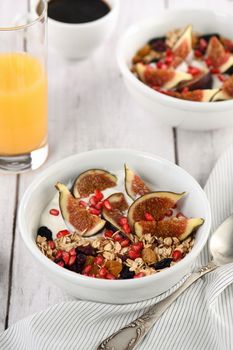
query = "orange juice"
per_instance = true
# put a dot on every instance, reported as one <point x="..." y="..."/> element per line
<point x="23" y="104"/>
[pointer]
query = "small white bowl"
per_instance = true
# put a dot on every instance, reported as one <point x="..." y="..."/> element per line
<point x="169" y="110"/>
<point x="160" y="172"/>
<point x="78" y="41"/>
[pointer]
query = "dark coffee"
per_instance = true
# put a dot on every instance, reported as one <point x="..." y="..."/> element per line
<point x="77" y="11"/>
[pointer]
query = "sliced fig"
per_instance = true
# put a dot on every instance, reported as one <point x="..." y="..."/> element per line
<point x="217" y="55"/>
<point x="166" y="78"/>
<point x="118" y="206"/>
<point x="183" y="45"/>
<point x="134" y="185"/>
<point x="226" y="93"/>
<point x="91" y="180"/>
<point x="75" y="216"/>
<point x="154" y="203"/>
<point x="174" y="227"/>
<point x="197" y="95"/>
<point x="207" y="37"/>
<point x="203" y="81"/>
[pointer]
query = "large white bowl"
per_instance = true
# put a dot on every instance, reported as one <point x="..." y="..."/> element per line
<point x="160" y="172"/>
<point x="169" y="110"/>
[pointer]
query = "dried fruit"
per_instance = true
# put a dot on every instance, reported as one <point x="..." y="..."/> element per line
<point x="197" y="95"/>
<point x="43" y="231"/>
<point x="162" y="264"/>
<point x="134" y="185"/>
<point x="174" y="227"/>
<point x="154" y="203"/>
<point x="91" y="180"/>
<point x="114" y="267"/>
<point x="118" y="206"/>
<point x="126" y="273"/>
<point x="75" y="216"/>
<point x="149" y="256"/>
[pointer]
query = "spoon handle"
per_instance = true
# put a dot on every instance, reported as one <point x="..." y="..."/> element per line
<point x="128" y="337"/>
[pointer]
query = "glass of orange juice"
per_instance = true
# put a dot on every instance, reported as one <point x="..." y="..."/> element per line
<point x="23" y="85"/>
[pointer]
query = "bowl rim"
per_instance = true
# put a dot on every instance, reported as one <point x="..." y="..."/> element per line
<point x="114" y="7"/>
<point x="96" y="283"/>
<point x="143" y="88"/>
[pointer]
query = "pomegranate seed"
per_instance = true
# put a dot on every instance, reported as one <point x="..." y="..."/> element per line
<point x="108" y="233"/>
<point x="126" y="228"/>
<point x="203" y="44"/>
<point x="169" y="212"/>
<point x="149" y="217"/>
<point x="86" y="269"/>
<point x="99" y="195"/>
<point x="161" y="65"/>
<point x="185" y="90"/>
<point x="63" y="233"/>
<point x="174" y="206"/>
<point x="193" y="70"/>
<point x="54" y="212"/>
<point x="61" y="263"/>
<point x="222" y="77"/>
<point x="180" y="215"/>
<point x="169" y="52"/>
<point x="107" y="204"/>
<point x="197" y="53"/>
<point x="72" y="252"/>
<point x="133" y="254"/>
<point x="214" y="71"/>
<point x="176" y="255"/>
<point x="122" y="221"/>
<point x="109" y="276"/>
<point x="138" y="275"/>
<point x="83" y="204"/>
<point x="51" y="244"/>
<point x="59" y="254"/>
<point x="125" y="243"/>
<point x="117" y="237"/>
<point x="92" y="275"/>
<point x="94" y="211"/>
<point x="137" y="247"/>
<point x="66" y="257"/>
<point x="72" y="260"/>
<point x="103" y="272"/>
<point x="99" y="260"/>
<point x="168" y="59"/>
<point x="208" y="62"/>
<point x="93" y="201"/>
<point x="86" y="274"/>
<point x="99" y="205"/>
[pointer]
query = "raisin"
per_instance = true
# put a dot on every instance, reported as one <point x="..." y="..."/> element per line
<point x="43" y="231"/>
<point x="162" y="264"/>
<point x="126" y="273"/>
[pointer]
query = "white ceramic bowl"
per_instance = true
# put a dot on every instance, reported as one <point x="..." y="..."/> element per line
<point x="160" y="172"/>
<point x="169" y="110"/>
<point x="78" y="41"/>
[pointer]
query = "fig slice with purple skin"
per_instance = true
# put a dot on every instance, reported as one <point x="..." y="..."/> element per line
<point x="203" y="81"/>
<point x="119" y="206"/>
<point x="165" y="78"/>
<point x="226" y="93"/>
<point x="76" y="217"/>
<point x="218" y="56"/>
<point x="155" y="203"/>
<point x="173" y="227"/>
<point x="134" y="185"/>
<point x="91" y="180"/>
<point x="197" y="95"/>
<point x="182" y="46"/>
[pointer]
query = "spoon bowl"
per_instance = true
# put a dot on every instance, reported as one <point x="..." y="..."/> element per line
<point x="221" y="243"/>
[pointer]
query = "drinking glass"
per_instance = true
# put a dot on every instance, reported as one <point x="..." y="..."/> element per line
<point x="23" y="85"/>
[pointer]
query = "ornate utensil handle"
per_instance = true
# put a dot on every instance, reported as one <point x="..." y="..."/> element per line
<point x="128" y="337"/>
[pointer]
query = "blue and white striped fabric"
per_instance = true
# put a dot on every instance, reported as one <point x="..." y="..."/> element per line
<point x="202" y="318"/>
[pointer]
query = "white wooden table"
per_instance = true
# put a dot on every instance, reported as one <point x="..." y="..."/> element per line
<point x="89" y="108"/>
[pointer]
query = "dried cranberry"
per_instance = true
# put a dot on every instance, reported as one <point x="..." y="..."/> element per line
<point x="43" y="231"/>
<point x="162" y="264"/>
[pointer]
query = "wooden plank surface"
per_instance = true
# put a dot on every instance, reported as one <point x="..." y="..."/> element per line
<point x="89" y="108"/>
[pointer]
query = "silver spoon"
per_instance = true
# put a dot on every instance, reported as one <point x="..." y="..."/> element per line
<point x="128" y="338"/>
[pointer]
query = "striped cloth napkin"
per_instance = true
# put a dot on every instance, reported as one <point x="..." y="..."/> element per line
<point x="202" y="317"/>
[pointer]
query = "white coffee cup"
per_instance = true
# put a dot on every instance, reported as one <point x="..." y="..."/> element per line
<point x="80" y="40"/>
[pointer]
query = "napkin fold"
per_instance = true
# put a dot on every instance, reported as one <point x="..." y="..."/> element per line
<point x="201" y="318"/>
